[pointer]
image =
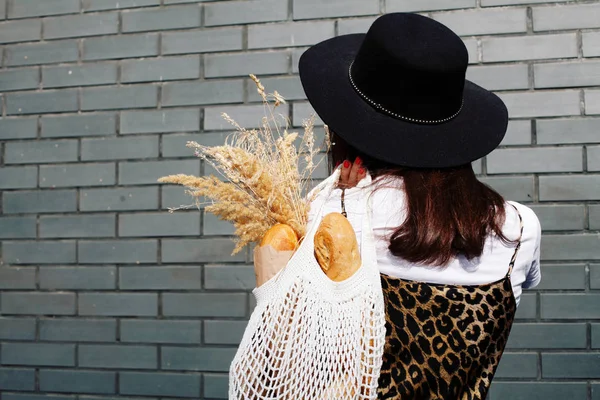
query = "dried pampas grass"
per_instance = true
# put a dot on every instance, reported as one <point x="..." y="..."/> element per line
<point x="264" y="181"/>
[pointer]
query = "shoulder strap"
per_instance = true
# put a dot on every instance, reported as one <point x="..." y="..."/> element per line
<point x="514" y="256"/>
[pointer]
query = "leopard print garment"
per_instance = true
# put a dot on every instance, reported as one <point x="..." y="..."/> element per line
<point x="444" y="341"/>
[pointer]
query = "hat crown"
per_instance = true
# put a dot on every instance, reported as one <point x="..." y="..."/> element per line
<point x="412" y="67"/>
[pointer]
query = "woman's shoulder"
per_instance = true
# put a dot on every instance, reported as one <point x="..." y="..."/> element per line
<point x="531" y="222"/>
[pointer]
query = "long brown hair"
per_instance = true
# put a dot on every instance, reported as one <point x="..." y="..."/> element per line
<point x="449" y="212"/>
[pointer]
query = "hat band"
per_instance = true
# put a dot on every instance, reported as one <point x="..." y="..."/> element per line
<point x="396" y="115"/>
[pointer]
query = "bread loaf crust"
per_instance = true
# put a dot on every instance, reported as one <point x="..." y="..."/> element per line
<point x="336" y="247"/>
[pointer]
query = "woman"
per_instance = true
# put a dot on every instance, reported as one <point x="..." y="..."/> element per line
<point x="453" y="255"/>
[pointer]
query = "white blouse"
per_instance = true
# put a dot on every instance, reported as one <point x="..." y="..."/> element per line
<point x="388" y="205"/>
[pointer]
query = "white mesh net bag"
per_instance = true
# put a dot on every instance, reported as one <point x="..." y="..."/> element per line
<point x="310" y="337"/>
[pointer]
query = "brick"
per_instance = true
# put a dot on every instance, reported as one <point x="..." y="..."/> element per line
<point x="78" y="330"/>
<point x="119" y="199"/>
<point x="500" y="77"/>
<point x="18" y="128"/>
<point x="289" y="34"/>
<point x="166" y="278"/>
<point x="199" y="250"/>
<point x="98" y="174"/>
<point x="81" y="25"/>
<point x="115" y="47"/>
<point x="19" y="202"/>
<point x="165" y="331"/>
<point x="248" y="116"/>
<point x="542" y="104"/>
<point x="160" y="121"/>
<point x="245" y="12"/>
<point x="348" y="26"/>
<point x="484" y="21"/>
<point x="594" y="211"/>
<point x="24" y="303"/>
<point x="538" y="47"/>
<point x="212" y="225"/>
<point x="560" y="188"/>
<point x="117" y="251"/>
<point x="564" y="217"/>
<point x="97" y="124"/>
<point x="159" y="384"/>
<point x="302" y="111"/>
<point x="27" y="396"/>
<point x="41" y="53"/>
<point x="527" y="307"/>
<point x="95" y="5"/>
<point x="161" y="19"/>
<point x="548" y="336"/>
<point x="568" y="74"/>
<point x="289" y="87"/>
<point x="18" y="177"/>
<point x="595" y="336"/>
<point x="20" y="79"/>
<point x="87" y="278"/>
<point x="39" y="252"/>
<point x="160" y="69"/>
<point x="2" y="9"/>
<point x="175" y="145"/>
<point x="70" y="381"/>
<point x="165" y="224"/>
<point x="592" y="102"/>
<point x="118" y="304"/>
<point x="37" y="152"/>
<point x="79" y="75"/>
<point x="17" y="329"/>
<point x="224" y="332"/>
<point x="201" y="93"/>
<point x="570" y="365"/>
<point x="34" y="8"/>
<point x="147" y="172"/>
<point x="38" y="354"/>
<point x="571" y="305"/>
<point x="117" y="356"/>
<point x="216" y="386"/>
<point x="578" y="16"/>
<point x="208" y="40"/>
<point x="337" y="8"/>
<point x="176" y="196"/>
<point x="517" y="133"/>
<point x="196" y="359"/>
<point x="242" y="64"/>
<point x="50" y="101"/>
<point x="104" y="149"/>
<point x="568" y="130"/>
<point x="537" y="391"/>
<point x="425" y="5"/>
<point x="234" y="277"/>
<point x="487" y="3"/>
<point x="591" y="44"/>
<point x="574" y="247"/>
<point x="546" y="159"/>
<point x="135" y="96"/>
<point x="12" y="278"/>
<point x="16" y="379"/>
<point x="204" y="304"/>
<point x="517" y="365"/>
<point x="20" y="31"/>
<point x="17" y="227"/>
<point x="517" y="188"/>
<point x="593" y="158"/>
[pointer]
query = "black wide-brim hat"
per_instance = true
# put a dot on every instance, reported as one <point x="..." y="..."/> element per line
<point x="398" y="94"/>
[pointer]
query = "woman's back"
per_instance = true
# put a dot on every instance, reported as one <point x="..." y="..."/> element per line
<point x="388" y="213"/>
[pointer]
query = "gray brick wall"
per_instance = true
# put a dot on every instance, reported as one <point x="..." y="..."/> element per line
<point x="106" y="295"/>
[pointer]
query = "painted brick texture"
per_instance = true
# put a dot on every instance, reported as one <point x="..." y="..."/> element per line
<point x="104" y="294"/>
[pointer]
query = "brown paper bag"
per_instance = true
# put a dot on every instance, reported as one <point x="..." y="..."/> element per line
<point x="268" y="262"/>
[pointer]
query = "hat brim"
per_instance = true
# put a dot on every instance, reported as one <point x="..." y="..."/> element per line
<point x="474" y="132"/>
